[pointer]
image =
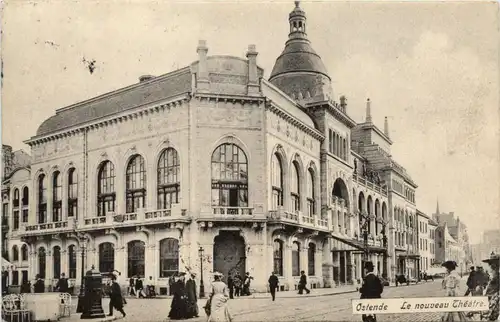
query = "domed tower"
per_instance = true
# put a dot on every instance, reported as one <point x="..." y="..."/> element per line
<point x="299" y="70"/>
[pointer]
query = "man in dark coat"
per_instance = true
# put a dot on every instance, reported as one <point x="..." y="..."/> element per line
<point x="273" y="284"/>
<point x="471" y="281"/>
<point x="372" y="288"/>
<point x="39" y="286"/>
<point x="62" y="284"/>
<point x="237" y="281"/>
<point x="303" y="283"/>
<point x="115" y="297"/>
<point x="192" y="299"/>
<point x="230" y="285"/>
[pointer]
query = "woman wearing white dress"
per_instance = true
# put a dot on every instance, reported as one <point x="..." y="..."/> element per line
<point x="217" y="309"/>
<point x="451" y="285"/>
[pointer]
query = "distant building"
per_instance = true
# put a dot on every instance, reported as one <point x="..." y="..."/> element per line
<point x="432" y="242"/>
<point x="424" y="241"/>
<point x="490" y="242"/>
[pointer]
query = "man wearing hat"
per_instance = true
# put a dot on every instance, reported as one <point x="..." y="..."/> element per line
<point x="492" y="289"/>
<point x="372" y="288"/>
<point x="192" y="299"/>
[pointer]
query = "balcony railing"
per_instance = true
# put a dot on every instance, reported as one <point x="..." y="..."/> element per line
<point x="232" y="211"/>
<point x="67" y="225"/>
<point x="298" y="218"/>
<point x="370" y="185"/>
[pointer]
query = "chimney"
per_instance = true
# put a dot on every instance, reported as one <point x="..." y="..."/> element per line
<point x="145" y="78"/>
<point x="343" y="103"/>
<point x="253" y="76"/>
<point x="202" y="81"/>
<point x="368" y="111"/>
<point x="386" y="127"/>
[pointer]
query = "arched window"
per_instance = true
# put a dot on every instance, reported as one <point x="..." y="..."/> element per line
<point x="106" y="258"/>
<point x="72" y="193"/>
<point x="56" y="197"/>
<point x="377" y="217"/>
<point x="311" y="204"/>
<point x="277" y="181"/>
<point x="136" y="253"/>
<point x="311" y="259"/>
<point x="15" y="201"/>
<point x="56" y="257"/>
<point x="295" y="259"/>
<point x="15" y="253"/>
<point x="106" y="195"/>
<point x="169" y="185"/>
<point x="278" y="257"/>
<point x="169" y="257"/>
<point x="72" y="261"/>
<point x="136" y="184"/>
<point x="41" y="262"/>
<point x="295" y="187"/>
<point x="25" y="200"/>
<point x="229" y="176"/>
<point x="42" y="199"/>
<point x="24" y="252"/>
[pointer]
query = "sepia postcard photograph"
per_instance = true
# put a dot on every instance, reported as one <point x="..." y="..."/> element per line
<point x="238" y="160"/>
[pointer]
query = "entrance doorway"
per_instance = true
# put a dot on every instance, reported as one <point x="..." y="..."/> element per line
<point x="229" y="253"/>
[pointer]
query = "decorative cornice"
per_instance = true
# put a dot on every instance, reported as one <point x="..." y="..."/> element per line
<point x="271" y="106"/>
<point x="334" y="110"/>
<point x="228" y="98"/>
<point x="137" y="112"/>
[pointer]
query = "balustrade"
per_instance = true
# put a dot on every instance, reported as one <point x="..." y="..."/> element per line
<point x="233" y="211"/>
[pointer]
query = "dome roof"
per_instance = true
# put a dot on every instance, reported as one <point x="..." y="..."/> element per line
<point x="298" y="56"/>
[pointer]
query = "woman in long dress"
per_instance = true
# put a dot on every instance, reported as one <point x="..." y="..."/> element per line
<point x="218" y="301"/>
<point x="451" y="284"/>
<point x="493" y="289"/>
<point x="178" y="308"/>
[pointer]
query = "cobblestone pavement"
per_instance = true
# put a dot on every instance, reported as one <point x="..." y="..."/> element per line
<point x="323" y="308"/>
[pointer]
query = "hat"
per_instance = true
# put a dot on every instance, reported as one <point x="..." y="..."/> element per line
<point x="193" y="274"/>
<point x="182" y="274"/>
<point x="218" y="274"/>
<point x="368" y="265"/>
<point x="451" y="265"/>
<point x="494" y="258"/>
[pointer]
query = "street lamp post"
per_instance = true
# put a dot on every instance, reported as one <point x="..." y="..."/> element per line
<point x="202" y="286"/>
<point x="364" y="229"/>
<point x="79" y="308"/>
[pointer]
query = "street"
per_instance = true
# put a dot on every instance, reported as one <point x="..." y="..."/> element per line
<point x="306" y="308"/>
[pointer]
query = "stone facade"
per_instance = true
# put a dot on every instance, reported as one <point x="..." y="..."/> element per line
<point x="214" y="166"/>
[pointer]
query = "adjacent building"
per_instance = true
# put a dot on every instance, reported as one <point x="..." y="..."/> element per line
<point x="490" y="242"/>
<point x="424" y="241"/>
<point x="213" y="163"/>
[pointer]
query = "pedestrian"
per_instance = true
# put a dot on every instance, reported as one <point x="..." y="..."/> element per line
<point x="216" y="307"/>
<point x="471" y="282"/>
<point x="372" y="288"/>
<point x="230" y="285"/>
<point x="62" y="284"/>
<point x="39" y="286"/>
<point x="115" y="297"/>
<point x="492" y="289"/>
<point x="178" y="308"/>
<point x="192" y="299"/>
<point x="303" y="283"/>
<point x="451" y="285"/>
<point x="150" y="288"/>
<point x="237" y="284"/>
<point x="246" y="284"/>
<point x="273" y="284"/>
<point x="139" y="288"/>
<point x="131" y="286"/>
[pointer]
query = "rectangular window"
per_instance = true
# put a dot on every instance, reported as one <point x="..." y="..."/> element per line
<point x="15" y="218"/>
<point x="24" y="277"/>
<point x="5" y="216"/>
<point x="25" y="216"/>
<point x="15" y="278"/>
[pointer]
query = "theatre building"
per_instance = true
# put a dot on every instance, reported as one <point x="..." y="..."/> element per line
<point x="259" y="174"/>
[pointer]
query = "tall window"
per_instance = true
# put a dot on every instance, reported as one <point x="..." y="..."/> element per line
<point x="72" y="261"/>
<point x="278" y="257"/>
<point x="295" y="187"/>
<point x="15" y="219"/>
<point x="42" y="199"/>
<point x="57" y="197"/>
<point x="311" y="260"/>
<point x="106" y="258"/>
<point x="56" y="257"/>
<point x="277" y="181"/>
<point x="41" y="262"/>
<point x="295" y="259"/>
<point x="136" y="184"/>
<point x="24" y="252"/>
<point x="311" y="204"/>
<point x="169" y="257"/>
<point x="168" y="178"/>
<point x="136" y="251"/>
<point x="229" y="176"/>
<point x="106" y="195"/>
<point x="15" y="201"/>
<point x="15" y="253"/>
<point x="25" y="200"/>
<point x="72" y="193"/>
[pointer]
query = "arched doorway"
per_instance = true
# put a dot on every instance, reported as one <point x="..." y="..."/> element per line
<point x="229" y="253"/>
<point x="340" y="191"/>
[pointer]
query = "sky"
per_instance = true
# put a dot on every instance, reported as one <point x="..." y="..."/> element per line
<point x="431" y="67"/>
